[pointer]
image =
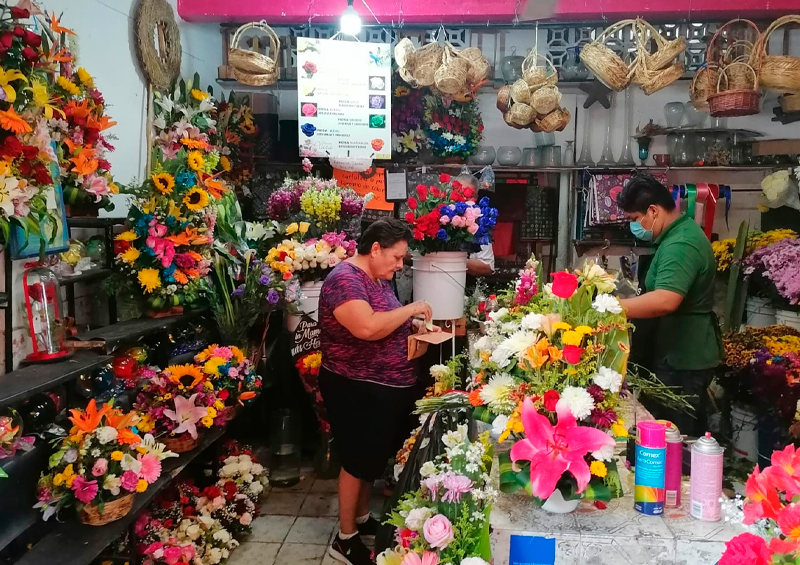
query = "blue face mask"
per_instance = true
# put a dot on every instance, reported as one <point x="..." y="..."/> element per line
<point x="638" y="231"/>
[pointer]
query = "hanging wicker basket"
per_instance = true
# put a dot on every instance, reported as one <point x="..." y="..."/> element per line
<point x="605" y="64"/>
<point x="666" y="51"/>
<point x="404" y="52"/>
<point x="780" y="73"/>
<point x="253" y="79"/>
<point x="651" y="80"/>
<point x="520" y="92"/>
<point x="181" y="443"/>
<point x="427" y="61"/>
<point x="739" y="75"/>
<point x="700" y="89"/>
<point x="91" y="515"/>
<point x="521" y="114"/>
<point x="538" y="75"/>
<point x="546" y="99"/>
<point x="726" y="101"/>
<point x="504" y="98"/>
<point x="451" y="77"/>
<point x="251" y="60"/>
<point x="478" y="65"/>
<point x="556" y="120"/>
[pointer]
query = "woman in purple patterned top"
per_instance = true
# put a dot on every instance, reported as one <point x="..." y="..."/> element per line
<point x="366" y="379"/>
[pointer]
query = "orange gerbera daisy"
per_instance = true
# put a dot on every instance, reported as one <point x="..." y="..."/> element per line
<point x="186" y="376"/>
<point x="207" y="352"/>
<point x="126" y="436"/>
<point x="180" y="277"/>
<point x="13" y="122"/>
<point x="88" y="420"/>
<point x="194" y="143"/>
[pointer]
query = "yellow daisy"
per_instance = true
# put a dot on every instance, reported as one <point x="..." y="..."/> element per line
<point x="196" y="199"/>
<point x="207" y="421"/>
<point x="130" y="255"/>
<point x="196" y="161"/>
<point x="225" y="163"/>
<point x="199" y="94"/>
<point x="69" y="86"/>
<point x="212" y="365"/>
<point x="598" y="469"/>
<point x="141" y="485"/>
<point x="585" y="330"/>
<point x="164" y="182"/>
<point x="129" y="235"/>
<point x="561" y="326"/>
<point x="571" y="337"/>
<point x="149" y="279"/>
<point x="85" y="78"/>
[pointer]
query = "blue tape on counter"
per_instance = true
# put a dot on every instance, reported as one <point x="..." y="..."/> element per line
<point x="532" y="550"/>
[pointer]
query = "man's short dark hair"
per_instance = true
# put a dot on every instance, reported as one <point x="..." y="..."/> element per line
<point x="643" y="191"/>
<point x="385" y="233"/>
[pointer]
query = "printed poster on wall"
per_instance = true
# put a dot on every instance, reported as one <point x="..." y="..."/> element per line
<point x="344" y="93"/>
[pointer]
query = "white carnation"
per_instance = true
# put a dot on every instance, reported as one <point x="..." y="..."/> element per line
<point x="416" y="518"/>
<point x="532" y="322"/>
<point x="607" y="303"/>
<point x="605" y="453"/>
<point x="579" y="402"/>
<point x="608" y="379"/>
<point x="106" y="434"/>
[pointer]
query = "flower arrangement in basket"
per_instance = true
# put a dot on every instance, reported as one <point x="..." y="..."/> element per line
<point x="230" y="372"/>
<point x="454" y="129"/>
<point x="550" y="370"/>
<point x="235" y="137"/>
<point x="408" y="110"/>
<point x="100" y="466"/>
<point x="447" y="519"/>
<point x="177" y="401"/>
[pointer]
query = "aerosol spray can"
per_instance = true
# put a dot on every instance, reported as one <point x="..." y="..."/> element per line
<point x="651" y="459"/>
<point x="672" y="480"/>
<point x="706" y="479"/>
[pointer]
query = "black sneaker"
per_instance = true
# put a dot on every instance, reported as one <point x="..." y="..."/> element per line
<point x="350" y="551"/>
<point x="368" y="528"/>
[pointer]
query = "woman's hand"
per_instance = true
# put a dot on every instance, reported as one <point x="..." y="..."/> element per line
<point x="421" y="308"/>
<point x="420" y="327"/>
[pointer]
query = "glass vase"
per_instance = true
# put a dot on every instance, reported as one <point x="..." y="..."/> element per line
<point x="569" y="154"/>
<point x="585" y="159"/>
<point x="607" y="158"/>
<point x="626" y="157"/>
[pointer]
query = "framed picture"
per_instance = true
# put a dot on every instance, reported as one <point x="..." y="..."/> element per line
<point x="22" y="249"/>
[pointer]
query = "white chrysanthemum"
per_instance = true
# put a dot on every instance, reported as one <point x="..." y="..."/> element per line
<point x="607" y="303"/>
<point x="457" y="437"/>
<point x="501" y="356"/>
<point x="579" y="402"/>
<point x="496" y="394"/>
<point x="608" y="379"/>
<point x="439" y="371"/>
<point x="605" y="453"/>
<point x="532" y="322"/>
<point x="483" y="344"/>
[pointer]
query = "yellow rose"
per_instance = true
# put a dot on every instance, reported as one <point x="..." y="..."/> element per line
<point x="304" y="227"/>
<point x="116" y="455"/>
<point x="141" y="486"/>
<point x="292" y="228"/>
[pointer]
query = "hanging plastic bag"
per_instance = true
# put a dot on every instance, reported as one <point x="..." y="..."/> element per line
<point x="780" y="189"/>
<point x="487" y="179"/>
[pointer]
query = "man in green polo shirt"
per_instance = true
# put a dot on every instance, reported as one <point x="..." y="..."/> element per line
<point x="679" y="293"/>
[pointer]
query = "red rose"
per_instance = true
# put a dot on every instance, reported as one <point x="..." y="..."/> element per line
<point x="746" y="549"/>
<point x="481" y="307"/>
<point x="223" y="394"/>
<point x="436" y="192"/>
<point x="20" y="13"/>
<point x="410" y="217"/>
<point x="30" y="152"/>
<point x="564" y="284"/>
<point x="468" y="192"/>
<point x="7" y="40"/>
<point x="456" y="197"/>
<point x="188" y="511"/>
<point x="551" y="398"/>
<point x="11" y="147"/>
<point x="444" y="178"/>
<point x="42" y="175"/>
<point x="418" y="235"/>
<point x="19" y="31"/>
<point x="121" y="247"/>
<point x="212" y="492"/>
<point x="25" y="168"/>
<point x="30" y="54"/>
<point x="456" y="185"/>
<point x="572" y="354"/>
<point x="480" y="127"/>
<point x="422" y="192"/>
<point x="412" y="203"/>
<point x="32" y="39"/>
<point x="230" y="490"/>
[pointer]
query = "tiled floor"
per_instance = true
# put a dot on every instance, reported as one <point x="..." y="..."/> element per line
<point x="296" y="525"/>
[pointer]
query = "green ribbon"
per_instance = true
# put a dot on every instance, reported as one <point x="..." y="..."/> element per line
<point x="691" y="196"/>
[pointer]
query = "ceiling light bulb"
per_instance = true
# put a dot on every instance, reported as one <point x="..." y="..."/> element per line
<point x="351" y="21"/>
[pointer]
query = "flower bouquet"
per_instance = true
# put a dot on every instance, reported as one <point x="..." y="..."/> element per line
<point x="100" y="465"/>
<point x="176" y="402"/>
<point x="310" y="259"/>
<point x="408" y="110"/>
<point x="236" y="137"/>
<point x="213" y="543"/>
<point x="454" y="129"/>
<point x="550" y="370"/>
<point x="224" y="503"/>
<point x="776" y="266"/>
<point x="169" y="552"/>
<point x="447" y="519"/>
<point x="249" y="476"/>
<point x="230" y="372"/>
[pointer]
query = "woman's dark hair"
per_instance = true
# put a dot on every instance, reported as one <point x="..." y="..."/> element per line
<point x="386" y="233"/>
<point x="643" y="191"/>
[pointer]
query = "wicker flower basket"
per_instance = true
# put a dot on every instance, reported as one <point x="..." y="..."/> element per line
<point x="546" y="99"/>
<point x="778" y="72"/>
<point x="181" y="443"/>
<point x="520" y="92"/>
<point x="427" y="61"/>
<point x="478" y="65"/>
<point x="727" y="101"/>
<point x="251" y="60"/>
<point x="255" y="79"/>
<point x="654" y="80"/>
<point x="404" y="52"/>
<point x="666" y="51"/>
<point x="556" y="120"/>
<point x="521" y="114"/>
<point x="451" y="77"/>
<point x="604" y="63"/>
<point x="504" y="98"/>
<point x="537" y="76"/>
<point x="700" y="88"/>
<point x="112" y="511"/>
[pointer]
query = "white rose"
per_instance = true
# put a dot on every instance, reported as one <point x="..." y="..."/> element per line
<point x="193" y="532"/>
<point x="229" y="470"/>
<point x="607" y="303"/>
<point x="428" y="468"/>
<point x="106" y="434"/>
<point x="214" y="555"/>
<point x="255" y="488"/>
<point x="257" y="469"/>
<point x="416" y="518"/>
<point x="222" y="536"/>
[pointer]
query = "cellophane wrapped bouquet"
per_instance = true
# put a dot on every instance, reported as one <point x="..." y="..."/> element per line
<point x="230" y="372"/>
<point x="548" y="375"/>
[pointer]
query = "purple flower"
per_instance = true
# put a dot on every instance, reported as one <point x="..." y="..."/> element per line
<point x="778" y="264"/>
<point x="273" y="297"/>
<point x="455" y="486"/>
<point x="238" y="291"/>
<point x="264" y="280"/>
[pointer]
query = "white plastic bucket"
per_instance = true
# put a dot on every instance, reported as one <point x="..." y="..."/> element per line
<point x="744" y="426"/>
<point x="309" y="303"/>
<point x="759" y="312"/>
<point x="439" y="279"/>
<point x="788" y="318"/>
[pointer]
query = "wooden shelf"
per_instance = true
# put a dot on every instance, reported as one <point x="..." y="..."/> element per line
<point x="88" y="222"/>
<point x="85" y="276"/>
<point x="73" y="543"/>
<point x="23" y="383"/>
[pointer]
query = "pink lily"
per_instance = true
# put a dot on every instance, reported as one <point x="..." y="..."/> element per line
<point x="186" y="414"/>
<point x="428" y="558"/>
<point x="554" y="450"/>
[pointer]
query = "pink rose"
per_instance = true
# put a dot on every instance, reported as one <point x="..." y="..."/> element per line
<point x="438" y="531"/>
<point x="172" y="555"/>
<point x="444" y="220"/>
<point x="100" y="467"/>
<point x="746" y="549"/>
<point x="473" y="229"/>
<point x="245" y="519"/>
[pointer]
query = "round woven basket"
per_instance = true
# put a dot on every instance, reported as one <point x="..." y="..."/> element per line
<point x="700" y="88"/>
<point x="427" y="61"/>
<point x="403" y="52"/>
<point x="520" y="92"/>
<point x="734" y="103"/>
<point x="504" y="98"/>
<point x="536" y="75"/>
<point x="604" y="63"/>
<point x="478" y="65"/>
<point x="739" y="75"/>
<point x="256" y="79"/>
<point x="666" y="51"/>
<point x="652" y="81"/>
<point x="546" y="99"/>
<point x="112" y="511"/>
<point x="778" y="72"/>
<point x="451" y="77"/>
<point x="556" y="120"/>
<point x="790" y="103"/>
<point x="181" y="443"/>
<point x="250" y="61"/>
<point x="521" y="114"/>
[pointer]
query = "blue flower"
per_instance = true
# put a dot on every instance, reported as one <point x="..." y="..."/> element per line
<point x="264" y="280"/>
<point x="186" y="179"/>
<point x="483" y="202"/>
<point x="461" y="207"/>
<point x="273" y="297"/>
<point x="442" y="234"/>
<point x="238" y="291"/>
<point x="308" y="129"/>
<point x="169" y="273"/>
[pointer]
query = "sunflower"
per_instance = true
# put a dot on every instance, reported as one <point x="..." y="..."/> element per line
<point x="196" y="199"/>
<point x="129" y="235"/>
<point x="225" y="163"/>
<point x="13" y="122"/>
<point x="164" y="182"/>
<point x="194" y="143"/>
<point x="85" y="78"/>
<point x="149" y="279"/>
<point x="401" y="91"/>
<point x="196" y="161"/>
<point x="238" y="354"/>
<point x="130" y="255"/>
<point x="187" y="376"/>
<point x="212" y="365"/>
<point x="249" y="129"/>
<point x="199" y="94"/>
<point x="206" y="353"/>
<point x="69" y="86"/>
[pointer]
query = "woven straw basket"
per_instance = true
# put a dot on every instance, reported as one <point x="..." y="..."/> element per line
<point x="726" y="101"/>
<point x="556" y="120"/>
<point x="700" y="87"/>
<point x="451" y="77"/>
<point x="778" y="72"/>
<point x="112" y="511"/>
<point x="478" y="65"/>
<point x="536" y="75"/>
<point x="252" y="61"/>
<point x="404" y="52"/>
<point x="666" y="51"/>
<point x="181" y="443"/>
<point x="504" y="98"/>
<point x="521" y="114"/>
<point x="652" y="80"/>
<point x="427" y="61"/>
<point x="520" y="92"/>
<point x="546" y="99"/>
<point x="254" y="79"/>
<point x="604" y="64"/>
<point x="790" y="103"/>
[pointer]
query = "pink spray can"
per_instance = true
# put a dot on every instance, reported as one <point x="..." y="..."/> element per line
<point x="706" y="479"/>
<point x="672" y="481"/>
